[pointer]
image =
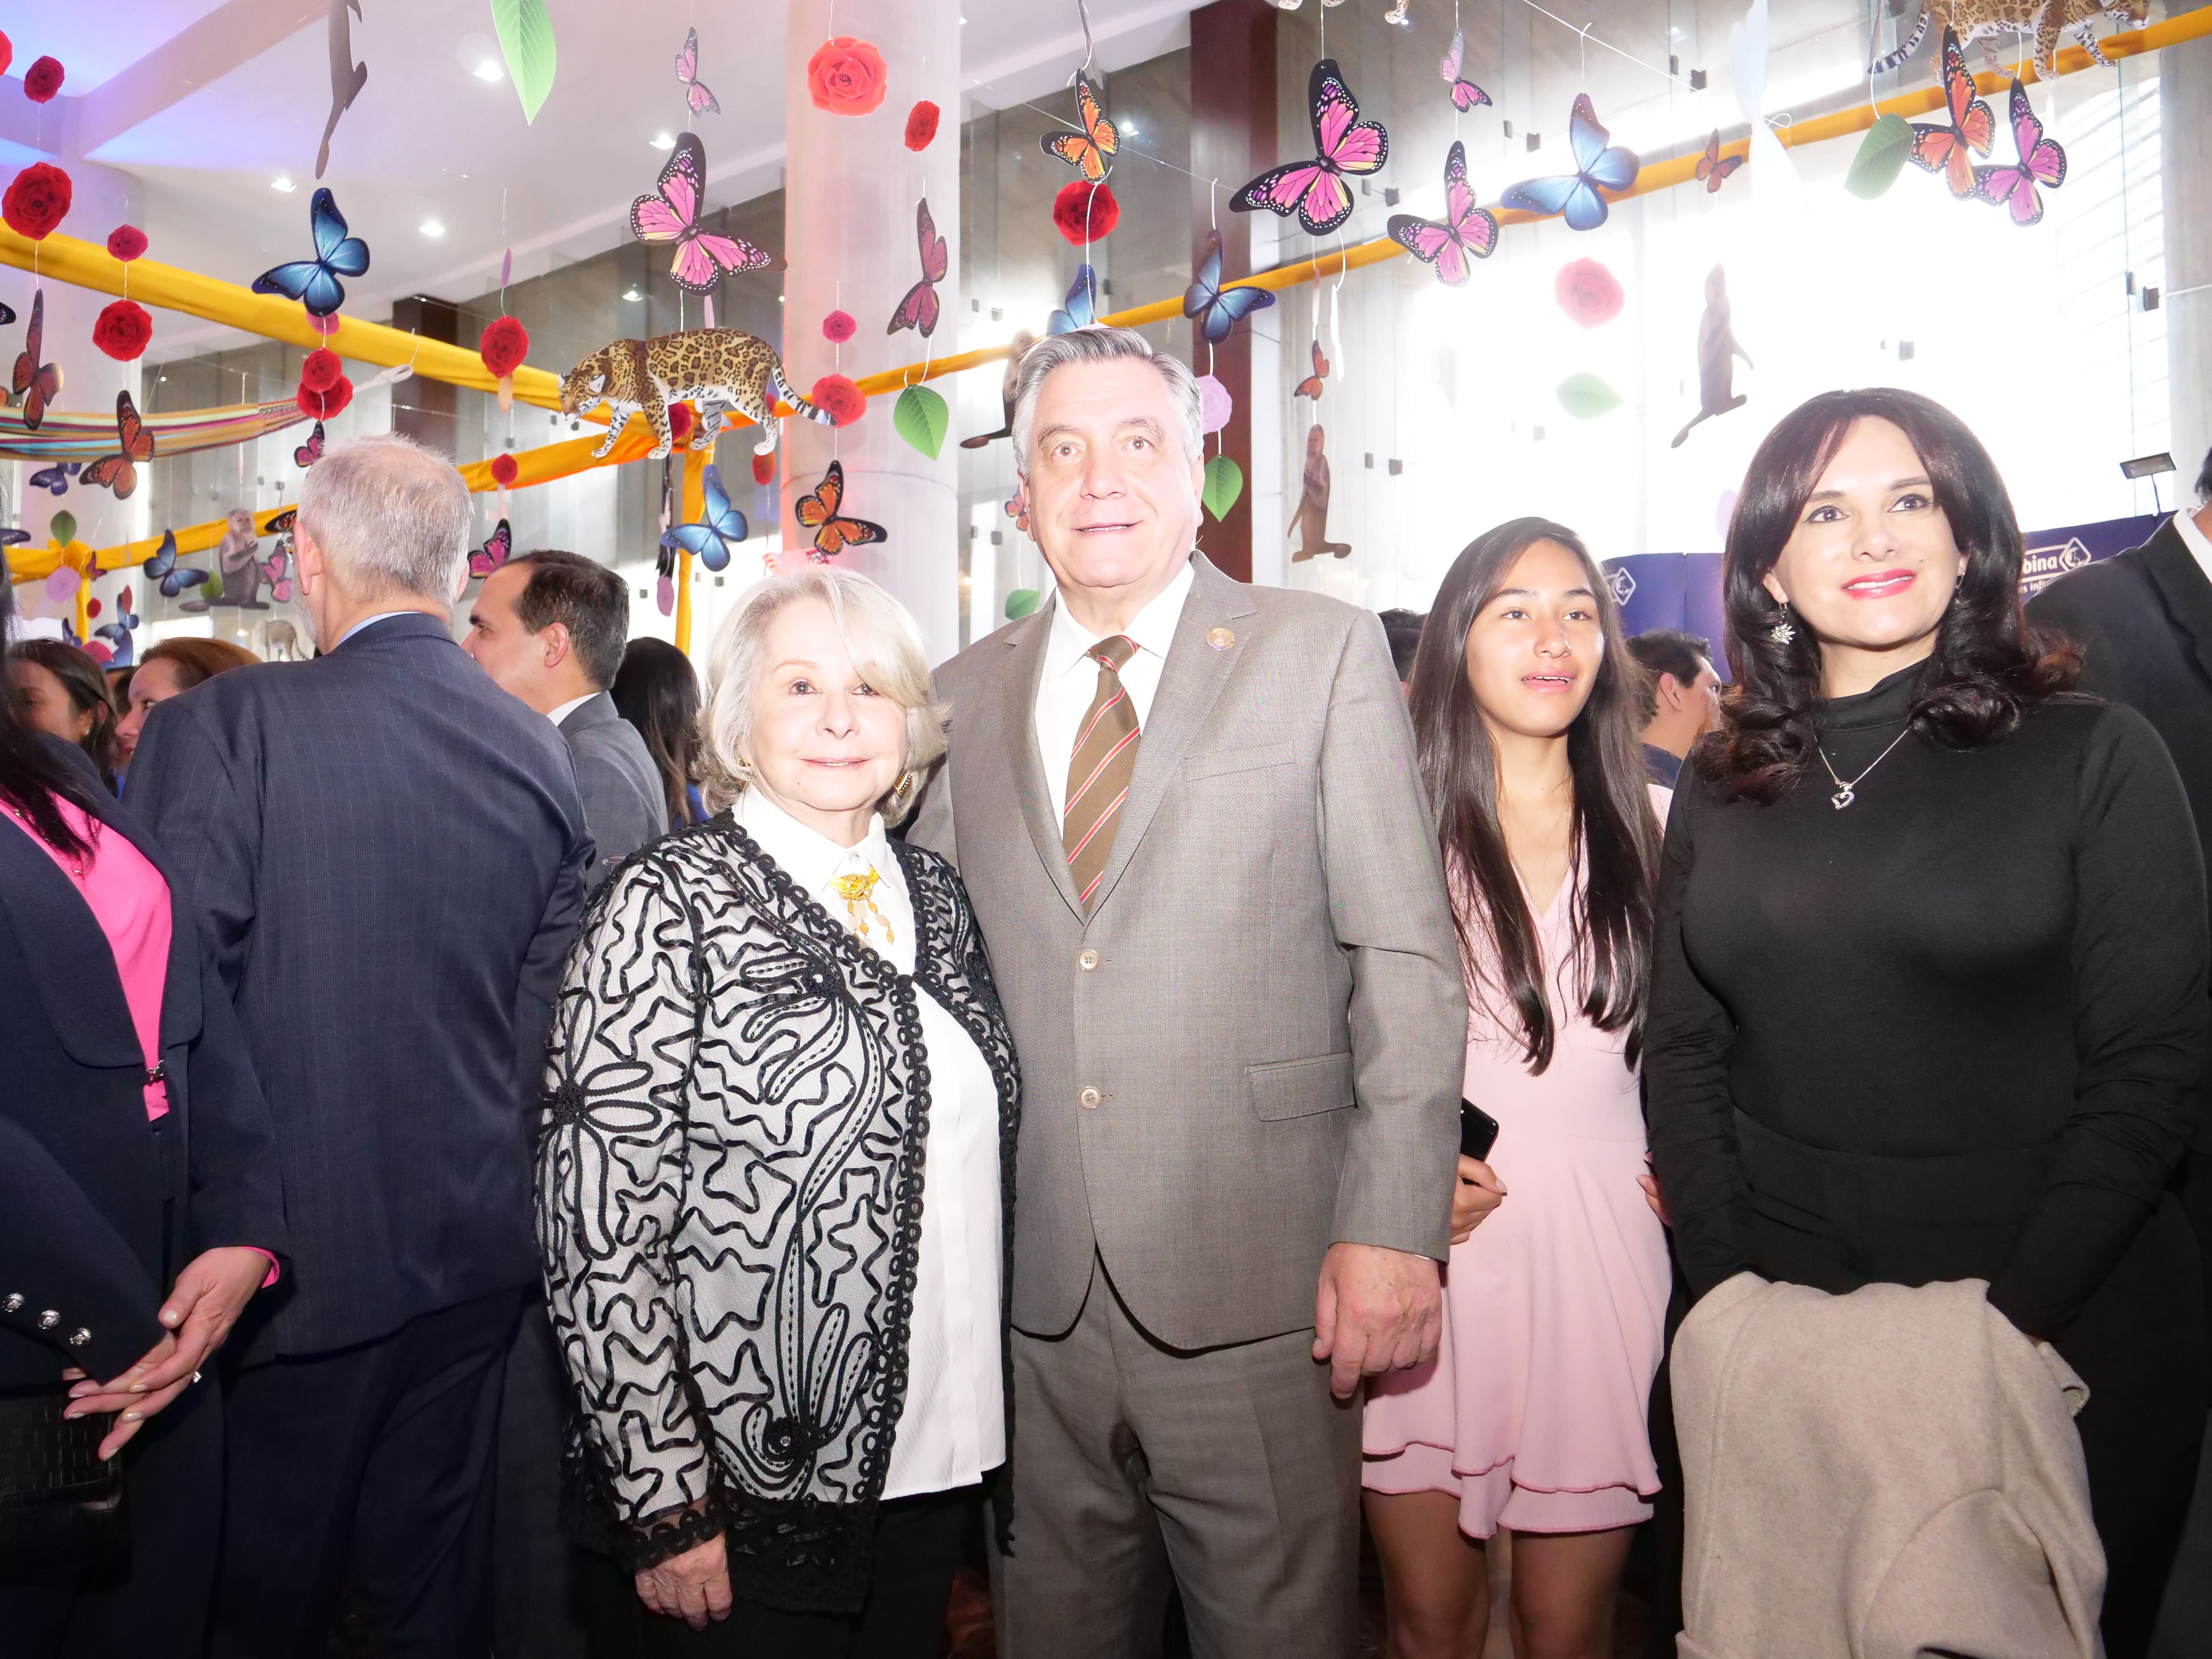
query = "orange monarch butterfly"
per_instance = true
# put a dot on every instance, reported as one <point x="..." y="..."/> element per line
<point x="1310" y="387"/>
<point x="1091" y="151"/>
<point x="119" y="472"/>
<point x="1713" y="166"/>
<point x="818" y="511"/>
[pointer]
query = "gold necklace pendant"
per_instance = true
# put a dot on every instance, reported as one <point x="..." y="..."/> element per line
<point x="856" y="890"/>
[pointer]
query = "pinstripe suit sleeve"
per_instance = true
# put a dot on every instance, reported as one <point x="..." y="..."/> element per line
<point x="539" y="989"/>
<point x="1408" y="1013"/>
<point x="183" y="788"/>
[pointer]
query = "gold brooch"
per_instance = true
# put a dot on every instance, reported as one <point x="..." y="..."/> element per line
<point x="855" y="891"/>
<point x="1220" y="639"/>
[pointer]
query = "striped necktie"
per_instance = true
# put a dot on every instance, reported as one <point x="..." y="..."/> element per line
<point x="1098" y="772"/>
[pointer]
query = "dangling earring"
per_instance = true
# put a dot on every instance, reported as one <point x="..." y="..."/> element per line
<point x="1782" y="633"/>
<point x="903" y="788"/>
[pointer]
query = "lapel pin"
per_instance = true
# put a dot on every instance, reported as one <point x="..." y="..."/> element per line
<point x="1220" y="639"/>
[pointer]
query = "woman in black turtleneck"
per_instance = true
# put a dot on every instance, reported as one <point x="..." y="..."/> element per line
<point x="1929" y="989"/>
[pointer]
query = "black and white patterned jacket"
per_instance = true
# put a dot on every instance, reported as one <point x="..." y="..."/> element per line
<point x="729" y="1206"/>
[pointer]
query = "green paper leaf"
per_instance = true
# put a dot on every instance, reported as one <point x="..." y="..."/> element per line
<point x="62" y="527"/>
<point x="1022" y="602"/>
<point x="1585" y="396"/>
<point x="1225" y="482"/>
<point x="1881" y="157"/>
<point x="921" y="419"/>
<point x="526" y="40"/>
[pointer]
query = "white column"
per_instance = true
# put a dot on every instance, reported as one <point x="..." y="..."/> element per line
<point x="850" y="189"/>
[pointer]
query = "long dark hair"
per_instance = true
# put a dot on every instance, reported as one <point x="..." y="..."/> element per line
<point x="657" y="691"/>
<point x="32" y="775"/>
<point x="1615" y="829"/>
<point x="1987" y="664"/>
<point x="86" y="685"/>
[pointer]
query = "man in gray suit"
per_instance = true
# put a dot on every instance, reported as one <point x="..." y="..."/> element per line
<point x="549" y="629"/>
<point x="1188" y="813"/>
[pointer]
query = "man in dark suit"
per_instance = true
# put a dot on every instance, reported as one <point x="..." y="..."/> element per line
<point x="549" y="629"/>
<point x="387" y="855"/>
<point x="1681" y="698"/>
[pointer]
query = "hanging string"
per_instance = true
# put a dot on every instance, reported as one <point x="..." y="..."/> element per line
<point x="1598" y="39"/>
<point x="1083" y="12"/>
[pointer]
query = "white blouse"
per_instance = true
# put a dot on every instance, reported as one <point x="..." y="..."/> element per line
<point x="953" y="1428"/>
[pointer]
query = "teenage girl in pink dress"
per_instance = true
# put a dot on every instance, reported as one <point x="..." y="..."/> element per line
<point x="1532" y="1416"/>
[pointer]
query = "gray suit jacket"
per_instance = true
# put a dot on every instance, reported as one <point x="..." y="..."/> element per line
<point x="1265" y="996"/>
<point x="624" y="807"/>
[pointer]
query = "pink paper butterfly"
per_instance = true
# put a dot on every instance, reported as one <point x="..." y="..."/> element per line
<point x="1467" y="232"/>
<point x="2041" y="160"/>
<point x="1465" y="94"/>
<point x="493" y="554"/>
<point x="672" y="216"/>
<point x="919" y="309"/>
<point x="277" y="568"/>
<point x="687" y="70"/>
<point x="1343" y="143"/>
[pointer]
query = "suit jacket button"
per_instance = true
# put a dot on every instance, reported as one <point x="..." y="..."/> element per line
<point x="1089" y="1099"/>
<point x="48" y="1320"/>
<point x="15" y="1302"/>
<point x="1087" y="961"/>
<point x="79" y="1337"/>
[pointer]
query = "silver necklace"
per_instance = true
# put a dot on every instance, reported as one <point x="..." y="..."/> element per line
<point x="1847" y="792"/>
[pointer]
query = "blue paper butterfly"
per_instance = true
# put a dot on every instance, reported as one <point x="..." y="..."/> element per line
<point x="314" y="282"/>
<point x="1576" y="195"/>
<point x="56" y="476"/>
<point x="162" y="567"/>
<point x="1082" y="308"/>
<point x="1219" y="309"/>
<point x="723" y="527"/>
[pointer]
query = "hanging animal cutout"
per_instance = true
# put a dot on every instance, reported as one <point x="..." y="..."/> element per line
<point x="1465" y="94"/>
<point x="1216" y="309"/>
<point x="669" y="213"/>
<point x="1945" y="149"/>
<point x="1081" y="310"/>
<point x="820" y="510"/>
<point x="1090" y="150"/>
<point x="1344" y="146"/>
<point x="346" y="77"/>
<point x="919" y="309"/>
<point x="1713" y="168"/>
<point x="714" y="369"/>
<point x="1310" y="522"/>
<point x="1983" y="20"/>
<point x="2041" y="161"/>
<point x="1718" y="350"/>
<point x="314" y="282"/>
<point x="1465" y="232"/>
<point x="36" y="384"/>
<point x="696" y="95"/>
<point x="280" y="642"/>
<point x="1600" y="166"/>
<point x="238" y="573"/>
<point x="162" y="567"/>
<point x="1311" y="385"/>
<point x="134" y="447"/>
<point x="1022" y="341"/>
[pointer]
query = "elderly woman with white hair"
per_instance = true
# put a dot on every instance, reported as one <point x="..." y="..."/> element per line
<point x="775" y="1171"/>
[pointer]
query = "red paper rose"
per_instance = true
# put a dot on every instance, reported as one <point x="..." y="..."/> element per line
<point x="505" y="470"/>
<point x="844" y="402"/>
<point x="126" y="242"/>
<point x="42" y="80"/>
<point x="679" y="423"/>
<point x="839" y="327"/>
<point x="6" y="53"/>
<point x="1588" y="292"/>
<point x="122" y="330"/>
<point x="503" y="346"/>
<point x="847" y="76"/>
<point x="764" y="468"/>
<point x="37" y="201"/>
<point x="321" y="370"/>
<point x="921" y="124"/>
<point x="1084" y="212"/>
<point x="321" y="406"/>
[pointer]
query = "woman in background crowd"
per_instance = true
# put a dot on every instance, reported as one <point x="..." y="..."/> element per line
<point x="1931" y="930"/>
<point x="784" y="999"/>
<point x="139" y="1199"/>
<point x="168" y="669"/>
<point x="657" y="692"/>
<point x="1532" y="1416"/>
<point x="62" y="690"/>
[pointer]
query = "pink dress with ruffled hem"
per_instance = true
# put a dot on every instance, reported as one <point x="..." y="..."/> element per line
<point x="1533" y="1414"/>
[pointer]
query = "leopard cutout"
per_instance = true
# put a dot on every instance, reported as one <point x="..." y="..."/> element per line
<point x="2046" y="19"/>
<point x="716" y="370"/>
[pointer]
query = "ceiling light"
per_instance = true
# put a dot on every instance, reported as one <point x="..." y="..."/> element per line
<point x="432" y="228"/>
<point x="665" y="141"/>
<point x="489" y="70"/>
<point x="633" y="292"/>
<point x="280" y="182"/>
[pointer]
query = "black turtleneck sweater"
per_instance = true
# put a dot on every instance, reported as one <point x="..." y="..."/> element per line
<point x="1988" y="950"/>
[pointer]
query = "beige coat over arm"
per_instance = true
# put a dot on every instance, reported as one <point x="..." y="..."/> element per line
<point x="1267" y="995"/>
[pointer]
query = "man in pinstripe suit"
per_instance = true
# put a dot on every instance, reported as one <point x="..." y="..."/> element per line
<point x="388" y="854"/>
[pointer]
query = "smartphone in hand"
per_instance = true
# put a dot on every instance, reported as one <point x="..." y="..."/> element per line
<point x="1478" y="1131"/>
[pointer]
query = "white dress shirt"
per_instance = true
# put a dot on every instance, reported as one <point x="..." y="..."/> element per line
<point x="562" y="712"/>
<point x="952" y="1427"/>
<point x="1070" y="679"/>
<point x="371" y="621"/>
<point x="2194" y="538"/>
